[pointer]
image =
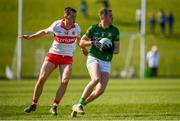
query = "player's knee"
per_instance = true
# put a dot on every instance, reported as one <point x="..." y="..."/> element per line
<point x="95" y="80"/>
<point x="101" y="90"/>
<point x="65" y="81"/>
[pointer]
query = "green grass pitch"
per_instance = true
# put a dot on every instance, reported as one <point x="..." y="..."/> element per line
<point x="124" y="99"/>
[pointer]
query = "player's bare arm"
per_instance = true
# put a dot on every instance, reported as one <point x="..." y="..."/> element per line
<point x="85" y="42"/>
<point x="38" y="34"/>
<point x="116" y="47"/>
<point x="84" y="50"/>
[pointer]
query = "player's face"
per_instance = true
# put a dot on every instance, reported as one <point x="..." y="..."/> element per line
<point x="71" y="18"/>
<point x="107" y="18"/>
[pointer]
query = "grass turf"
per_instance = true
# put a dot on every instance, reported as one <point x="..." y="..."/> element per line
<point x="124" y="99"/>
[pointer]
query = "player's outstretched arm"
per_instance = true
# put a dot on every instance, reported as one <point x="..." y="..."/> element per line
<point x="38" y="34"/>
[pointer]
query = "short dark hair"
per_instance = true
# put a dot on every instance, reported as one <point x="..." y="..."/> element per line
<point x="104" y="11"/>
<point x="68" y="10"/>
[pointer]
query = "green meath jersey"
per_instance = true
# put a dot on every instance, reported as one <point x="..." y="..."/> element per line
<point x="95" y="32"/>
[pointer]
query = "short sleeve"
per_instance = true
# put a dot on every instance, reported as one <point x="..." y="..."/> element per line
<point x="117" y="38"/>
<point x="51" y="27"/>
<point x="89" y="32"/>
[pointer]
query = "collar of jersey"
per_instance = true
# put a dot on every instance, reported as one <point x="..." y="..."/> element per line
<point x="62" y="24"/>
<point x="104" y="28"/>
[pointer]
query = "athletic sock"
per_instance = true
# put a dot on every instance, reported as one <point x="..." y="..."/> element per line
<point x="34" y="101"/>
<point x="56" y="102"/>
<point x="82" y="101"/>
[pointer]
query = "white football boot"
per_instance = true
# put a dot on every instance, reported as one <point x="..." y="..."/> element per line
<point x="78" y="108"/>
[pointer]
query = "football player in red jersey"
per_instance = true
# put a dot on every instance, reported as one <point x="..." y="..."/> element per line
<point x="66" y="33"/>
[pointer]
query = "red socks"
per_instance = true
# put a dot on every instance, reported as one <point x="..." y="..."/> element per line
<point x="56" y="102"/>
<point x="34" y="101"/>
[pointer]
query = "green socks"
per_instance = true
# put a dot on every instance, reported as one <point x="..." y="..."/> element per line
<point x="82" y="101"/>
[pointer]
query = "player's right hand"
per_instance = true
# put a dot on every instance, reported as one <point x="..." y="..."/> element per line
<point x="97" y="44"/>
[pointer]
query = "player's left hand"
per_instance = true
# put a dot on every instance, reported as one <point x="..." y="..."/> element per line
<point x="27" y="37"/>
<point x="108" y="49"/>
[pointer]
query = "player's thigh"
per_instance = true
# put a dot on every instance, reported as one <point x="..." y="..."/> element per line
<point x="93" y="67"/>
<point x="65" y="72"/>
<point x="46" y="69"/>
<point x="94" y="71"/>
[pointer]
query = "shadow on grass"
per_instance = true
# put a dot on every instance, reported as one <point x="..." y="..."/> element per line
<point x="96" y="112"/>
<point x="141" y="115"/>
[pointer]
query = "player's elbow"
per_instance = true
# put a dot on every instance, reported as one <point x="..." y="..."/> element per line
<point x="82" y="44"/>
<point x="45" y="31"/>
<point x="116" y="51"/>
<point x="84" y="41"/>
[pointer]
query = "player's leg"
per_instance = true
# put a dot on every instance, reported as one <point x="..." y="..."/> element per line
<point x="95" y="75"/>
<point x="100" y="87"/>
<point x="103" y="70"/>
<point x="45" y="71"/>
<point x="65" y="71"/>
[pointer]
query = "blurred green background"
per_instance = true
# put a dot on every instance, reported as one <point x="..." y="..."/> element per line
<point x="39" y="14"/>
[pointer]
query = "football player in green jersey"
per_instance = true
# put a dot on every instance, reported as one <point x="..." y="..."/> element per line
<point x="99" y="58"/>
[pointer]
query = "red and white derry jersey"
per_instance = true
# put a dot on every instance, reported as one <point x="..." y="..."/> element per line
<point x="64" y="40"/>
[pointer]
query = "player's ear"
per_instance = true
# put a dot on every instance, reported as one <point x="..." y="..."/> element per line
<point x="65" y="16"/>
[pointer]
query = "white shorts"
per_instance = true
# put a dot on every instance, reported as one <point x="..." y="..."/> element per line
<point x="104" y="65"/>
